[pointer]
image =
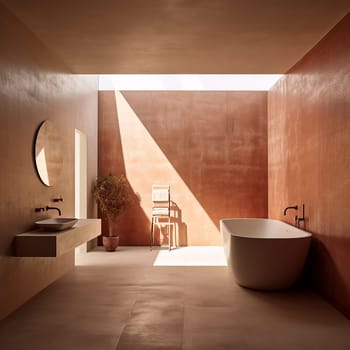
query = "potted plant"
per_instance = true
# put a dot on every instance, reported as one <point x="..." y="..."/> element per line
<point x="112" y="196"/>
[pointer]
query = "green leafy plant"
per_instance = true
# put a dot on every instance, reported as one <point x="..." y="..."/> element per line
<point x="112" y="195"/>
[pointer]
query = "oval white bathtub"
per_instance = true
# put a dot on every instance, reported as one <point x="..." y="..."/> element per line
<point x="264" y="254"/>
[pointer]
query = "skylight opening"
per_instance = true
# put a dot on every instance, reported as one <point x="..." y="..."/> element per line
<point x="187" y="82"/>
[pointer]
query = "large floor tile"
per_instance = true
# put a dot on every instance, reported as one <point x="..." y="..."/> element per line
<point x="123" y="301"/>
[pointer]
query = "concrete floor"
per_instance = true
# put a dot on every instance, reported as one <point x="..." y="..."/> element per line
<point x="122" y="301"/>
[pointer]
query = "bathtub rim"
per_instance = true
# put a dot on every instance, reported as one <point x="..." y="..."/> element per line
<point x="302" y="234"/>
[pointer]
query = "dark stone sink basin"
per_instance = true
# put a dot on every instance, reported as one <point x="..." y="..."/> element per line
<point x="57" y="224"/>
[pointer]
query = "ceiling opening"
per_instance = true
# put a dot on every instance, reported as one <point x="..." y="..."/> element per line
<point x="188" y="82"/>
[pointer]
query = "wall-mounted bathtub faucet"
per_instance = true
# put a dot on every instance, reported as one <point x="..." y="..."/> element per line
<point x="295" y="207"/>
<point x="54" y="208"/>
<point x="297" y="219"/>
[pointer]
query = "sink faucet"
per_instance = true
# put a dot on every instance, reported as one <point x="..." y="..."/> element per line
<point x="295" y="207"/>
<point x="54" y="208"/>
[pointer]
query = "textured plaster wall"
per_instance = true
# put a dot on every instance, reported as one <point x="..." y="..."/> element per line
<point x="309" y="157"/>
<point x="36" y="86"/>
<point x="211" y="148"/>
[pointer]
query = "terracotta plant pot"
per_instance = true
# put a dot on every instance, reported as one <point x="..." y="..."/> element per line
<point x="110" y="243"/>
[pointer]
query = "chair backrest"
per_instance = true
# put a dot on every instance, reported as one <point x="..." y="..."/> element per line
<point x="161" y="194"/>
<point x="161" y="200"/>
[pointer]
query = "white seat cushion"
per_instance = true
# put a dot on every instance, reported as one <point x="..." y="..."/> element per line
<point x="160" y="211"/>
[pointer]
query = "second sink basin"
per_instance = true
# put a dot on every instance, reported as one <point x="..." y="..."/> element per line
<point x="57" y="224"/>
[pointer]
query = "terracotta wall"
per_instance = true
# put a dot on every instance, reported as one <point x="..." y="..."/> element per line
<point x="309" y="157"/>
<point x="211" y="148"/>
<point x="35" y="86"/>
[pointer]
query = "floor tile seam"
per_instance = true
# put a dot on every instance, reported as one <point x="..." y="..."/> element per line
<point x="126" y="323"/>
<point x="183" y="325"/>
<point x="138" y="299"/>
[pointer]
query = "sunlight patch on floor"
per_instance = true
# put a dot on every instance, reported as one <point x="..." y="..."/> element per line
<point x="191" y="256"/>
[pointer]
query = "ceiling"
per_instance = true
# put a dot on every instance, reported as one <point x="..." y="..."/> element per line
<point x="179" y="36"/>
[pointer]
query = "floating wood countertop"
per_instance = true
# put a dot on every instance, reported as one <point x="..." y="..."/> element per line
<point x="41" y="243"/>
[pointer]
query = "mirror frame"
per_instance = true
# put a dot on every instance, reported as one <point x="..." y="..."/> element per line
<point x="48" y="153"/>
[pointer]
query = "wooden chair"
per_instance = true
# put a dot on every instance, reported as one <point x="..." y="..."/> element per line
<point x="161" y="213"/>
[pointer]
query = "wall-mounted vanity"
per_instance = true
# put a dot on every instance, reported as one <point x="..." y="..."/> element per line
<point x="40" y="243"/>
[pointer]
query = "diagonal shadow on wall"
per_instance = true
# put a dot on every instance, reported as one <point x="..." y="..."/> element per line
<point x="214" y="141"/>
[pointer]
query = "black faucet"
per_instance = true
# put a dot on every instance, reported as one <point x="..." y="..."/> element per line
<point x="297" y="220"/>
<point x="39" y="209"/>
<point x="54" y="208"/>
<point x="295" y="207"/>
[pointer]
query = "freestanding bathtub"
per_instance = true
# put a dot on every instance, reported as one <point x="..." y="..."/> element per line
<point x="264" y="254"/>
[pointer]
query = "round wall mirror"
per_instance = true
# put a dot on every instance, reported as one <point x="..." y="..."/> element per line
<point x="48" y="153"/>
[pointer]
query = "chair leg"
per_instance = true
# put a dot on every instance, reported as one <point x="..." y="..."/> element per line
<point x="176" y="233"/>
<point x="169" y="234"/>
<point x="152" y="234"/>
